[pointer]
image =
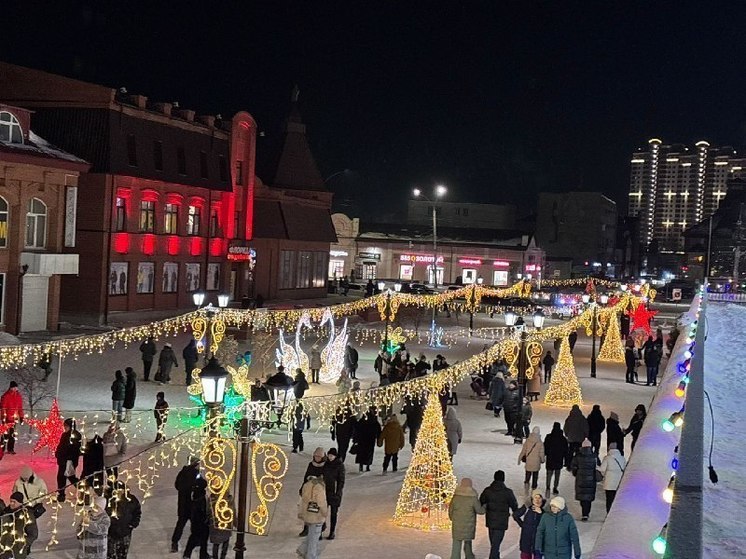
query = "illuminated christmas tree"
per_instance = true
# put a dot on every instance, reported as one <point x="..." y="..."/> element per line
<point x="429" y="483"/>
<point x="613" y="347"/>
<point x="564" y="389"/>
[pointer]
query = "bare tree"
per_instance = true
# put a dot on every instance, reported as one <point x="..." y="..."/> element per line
<point x="262" y="351"/>
<point x="227" y="350"/>
<point x="32" y="384"/>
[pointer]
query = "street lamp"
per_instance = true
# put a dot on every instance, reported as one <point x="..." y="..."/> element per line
<point x="213" y="378"/>
<point x="397" y="289"/>
<point x="223" y="300"/>
<point x="586" y="298"/>
<point x="510" y="320"/>
<point x="603" y="299"/>
<point x="538" y="318"/>
<point x="198" y="298"/>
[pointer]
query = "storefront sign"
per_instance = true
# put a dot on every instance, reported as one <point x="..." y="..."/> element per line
<point x="470" y="261"/>
<point x="369" y="255"/>
<point x="501" y="263"/>
<point x="338" y="253"/>
<point x="422" y="258"/>
<point x="241" y="254"/>
<point x="533" y="268"/>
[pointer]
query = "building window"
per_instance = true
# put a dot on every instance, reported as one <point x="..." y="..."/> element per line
<point x="3" y="222"/>
<point x="466" y="212"/>
<point x="120" y="219"/>
<point x="193" y="219"/>
<point x="214" y="223"/>
<point x="147" y="216"/>
<point x="305" y="265"/>
<point x="239" y="172"/>
<point x="222" y="168"/>
<point x="287" y="269"/>
<point x="132" y="150"/>
<point x="10" y="129"/>
<point x="158" y="155"/>
<point x="36" y="224"/>
<point x="181" y="160"/>
<point x="203" y="165"/>
<point x="319" y="270"/>
<point x="171" y="219"/>
<point x="406" y="271"/>
<point x="336" y="269"/>
<point x="236" y="225"/>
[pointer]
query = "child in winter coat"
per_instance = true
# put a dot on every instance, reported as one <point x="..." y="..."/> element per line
<point x="463" y="510"/>
<point x="528" y="518"/>
<point x="393" y="437"/>
<point x="453" y="431"/>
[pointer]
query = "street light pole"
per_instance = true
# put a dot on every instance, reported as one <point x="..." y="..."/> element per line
<point x="522" y="365"/>
<point x="243" y="484"/>
<point x="593" y="343"/>
<point x="472" y="302"/>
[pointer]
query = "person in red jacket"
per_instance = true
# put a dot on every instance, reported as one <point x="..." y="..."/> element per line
<point x="11" y="411"/>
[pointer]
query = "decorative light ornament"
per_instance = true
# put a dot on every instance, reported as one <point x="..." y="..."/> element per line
<point x="50" y="428"/>
<point x="564" y="388"/>
<point x="681" y="389"/>
<point x="668" y="491"/>
<point x="333" y="355"/>
<point x="659" y="543"/>
<point x="510" y="318"/>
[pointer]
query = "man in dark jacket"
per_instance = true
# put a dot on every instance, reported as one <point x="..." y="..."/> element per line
<point x="572" y="339"/>
<point x="499" y="502"/>
<point x="596" y="426"/>
<point x="584" y="469"/>
<point x="614" y="433"/>
<point x="414" y="410"/>
<point x="184" y="483"/>
<point x="555" y="450"/>
<point x="166" y="359"/>
<point x="511" y="403"/>
<point x="148" y="350"/>
<point x="548" y="363"/>
<point x="130" y="393"/>
<point x="68" y="450"/>
<point x="125" y="513"/>
<point x="652" y="358"/>
<point x="334" y="479"/>
<point x="351" y="359"/>
<point x="630" y="361"/>
<point x="191" y="356"/>
<point x="343" y="427"/>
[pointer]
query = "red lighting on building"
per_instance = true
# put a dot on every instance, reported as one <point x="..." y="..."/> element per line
<point x="173" y="245"/>
<point x="216" y="247"/>
<point x="121" y="243"/>
<point x="470" y="261"/>
<point x="148" y="195"/>
<point x="501" y="263"/>
<point x="195" y="246"/>
<point x="148" y="244"/>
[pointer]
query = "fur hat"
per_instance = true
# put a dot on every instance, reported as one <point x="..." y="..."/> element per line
<point x="558" y="502"/>
<point x="16" y="496"/>
<point x="100" y="503"/>
<point x="333" y="451"/>
<point x="613" y="415"/>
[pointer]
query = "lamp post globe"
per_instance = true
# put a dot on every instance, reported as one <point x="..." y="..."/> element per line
<point x="586" y="298"/>
<point x="510" y="318"/>
<point x="538" y="318"/>
<point x="603" y="299"/>
<point x="381" y="285"/>
<point x="397" y="287"/>
<point x="198" y="298"/>
<point x="213" y="379"/>
<point x="223" y="300"/>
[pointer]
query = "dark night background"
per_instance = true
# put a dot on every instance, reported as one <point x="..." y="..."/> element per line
<point x="499" y="100"/>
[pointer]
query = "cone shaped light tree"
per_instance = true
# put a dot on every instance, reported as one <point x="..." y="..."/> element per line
<point x="613" y="348"/>
<point x="564" y="389"/>
<point x="429" y="484"/>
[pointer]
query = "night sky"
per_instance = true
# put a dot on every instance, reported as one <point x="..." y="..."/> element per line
<point x="498" y="100"/>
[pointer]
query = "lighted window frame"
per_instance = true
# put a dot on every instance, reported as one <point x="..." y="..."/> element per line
<point x="10" y="129"/>
<point x="36" y="224"/>
<point x="215" y="223"/>
<point x="4" y="222"/>
<point x="171" y="219"/>
<point x="194" y="217"/>
<point x="120" y="215"/>
<point x="147" y="216"/>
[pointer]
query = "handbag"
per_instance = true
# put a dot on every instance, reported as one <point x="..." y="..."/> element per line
<point x="354" y="448"/>
<point x="111" y="449"/>
<point x="38" y="508"/>
<point x="313" y="507"/>
<point x="488" y="406"/>
<point x="158" y="375"/>
<point x="523" y="458"/>
<point x="599" y="476"/>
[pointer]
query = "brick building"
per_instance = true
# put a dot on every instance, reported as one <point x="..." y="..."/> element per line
<point x="167" y="207"/>
<point x="38" y="193"/>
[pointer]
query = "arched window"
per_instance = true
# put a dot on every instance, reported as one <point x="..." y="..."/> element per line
<point x="3" y="222"/>
<point x="10" y="129"/>
<point x="36" y="224"/>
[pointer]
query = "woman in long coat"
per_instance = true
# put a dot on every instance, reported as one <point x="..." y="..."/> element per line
<point x="584" y="469"/>
<point x="130" y="393"/>
<point x="463" y="510"/>
<point x="453" y="431"/>
<point x="366" y="435"/>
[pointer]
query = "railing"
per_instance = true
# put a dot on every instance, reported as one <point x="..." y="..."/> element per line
<point x="727" y="297"/>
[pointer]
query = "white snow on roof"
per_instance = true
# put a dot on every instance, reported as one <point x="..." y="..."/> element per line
<point x="39" y="146"/>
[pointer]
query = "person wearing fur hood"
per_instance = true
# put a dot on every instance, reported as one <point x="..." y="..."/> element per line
<point x="528" y="518"/>
<point x="462" y="511"/>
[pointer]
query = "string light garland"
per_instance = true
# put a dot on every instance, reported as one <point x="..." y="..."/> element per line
<point x="612" y="349"/>
<point x="430" y="482"/>
<point x="333" y="354"/>
<point x="564" y="388"/>
<point x="267" y="481"/>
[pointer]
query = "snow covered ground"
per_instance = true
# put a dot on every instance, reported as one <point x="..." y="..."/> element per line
<point x="365" y="526"/>
<point x="725" y="370"/>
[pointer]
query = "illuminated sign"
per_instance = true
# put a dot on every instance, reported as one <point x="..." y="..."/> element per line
<point x="241" y="254"/>
<point x="533" y="268"/>
<point x="501" y="263"/>
<point x="423" y="258"/>
<point x="369" y="255"/>
<point x="470" y="261"/>
<point x="338" y="253"/>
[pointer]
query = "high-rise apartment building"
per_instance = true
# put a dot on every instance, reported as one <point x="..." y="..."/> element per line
<point x="673" y="187"/>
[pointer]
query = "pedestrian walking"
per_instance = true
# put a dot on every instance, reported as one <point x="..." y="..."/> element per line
<point x="130" y="393"/>
<point x="67" y="455"/>
<point x="342" y="429"/>
<point x="528" y="518"/>
<point x="160" y="411"/>
<point x="315" y="468"/>
<point x="576" y="431"/>
<point x="115" y="447"/>
<point x="596" y="426"/>
<point x="334" y="482"/>
<point x="148" y="351"/>
<point x="614" y="433"/>
<point x="555" y="451"/>
<point x="93" y="465"/>
<point x="612" y="467"/>
<point x="299" y="424"/>
<point x="344" y="383"/>
<point x="414" y="410"/>
<point x="18" y="529"/>
<point x="312" y="510"/>
<point x="454" y="433"/>
<point x="219" y="537"/>
<point x="533" y="387"/>
<point x="190" y="354"/>
<point x="527" y="413"/>
<point x="499" y="502"/>
<point x="497" y="394"/>
<point x="421" y="367"/>
<point x="259" y="392"/>
<point x="185" y="480"/>
<point x="11" y="412"/>
<point x="572" y="339"/>
<point x="392" y="441"/>
<point x="314" y="364"/>
<point x="548" y="363"/>
<point x="532" y="455"/>
<point x="93" y="531"/>
<point x="630" y="361"/>
<point x="636" y="423"/>
<point x="365" y="436"/>
<point x="32" y="486"/>
<point x="118" y="388"/>
<point x="166" y="360"/>
<point x="557" y="345"/>
<point x="462" y="511"/>
<point x="557" y="535"/>
<point x="351" y="359"/>
<point x="584" y="469"/>
<point x="300" y="384"/>
<point x="510" y="406"/>
<point x="199" y="520"/>
<point x="125" y="513"/>
<point x="652" y="358"/>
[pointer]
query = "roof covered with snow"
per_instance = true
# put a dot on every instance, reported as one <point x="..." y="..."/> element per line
<point x="38" y="146"/>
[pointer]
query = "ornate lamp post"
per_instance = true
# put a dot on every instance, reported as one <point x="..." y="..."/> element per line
<point x="397" y="289"/>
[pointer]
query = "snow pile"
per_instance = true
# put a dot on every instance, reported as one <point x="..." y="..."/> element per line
<point x="8" y="339"/>
<point x="725" y="370"/>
